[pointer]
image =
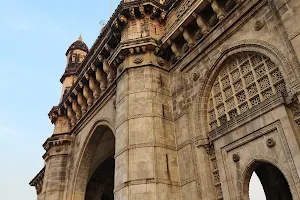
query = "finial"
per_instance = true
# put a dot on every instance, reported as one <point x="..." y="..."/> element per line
<point x="80" y="38"/>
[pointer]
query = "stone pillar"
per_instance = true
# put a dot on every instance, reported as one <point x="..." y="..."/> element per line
<point x="146" y="157"/>
<point x="56" y="160"/>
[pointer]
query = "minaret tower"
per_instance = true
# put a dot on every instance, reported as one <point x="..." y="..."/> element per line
<point x="75" y="55"/>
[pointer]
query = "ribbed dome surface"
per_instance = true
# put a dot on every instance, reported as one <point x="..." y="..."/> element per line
<point x="78" y="44"/>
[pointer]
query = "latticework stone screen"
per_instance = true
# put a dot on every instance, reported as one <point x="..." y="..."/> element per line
<point x="244" y="81"/>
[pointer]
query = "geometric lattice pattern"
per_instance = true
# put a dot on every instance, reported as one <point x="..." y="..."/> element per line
<point x="244" y="81"/>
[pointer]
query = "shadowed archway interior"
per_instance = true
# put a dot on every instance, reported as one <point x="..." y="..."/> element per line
<point x="273" y="181"/>
<point x="100" y="184"/>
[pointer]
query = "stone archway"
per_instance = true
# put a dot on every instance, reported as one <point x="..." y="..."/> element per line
<point x="272" y="179"/>
<point x="95" y="169"/>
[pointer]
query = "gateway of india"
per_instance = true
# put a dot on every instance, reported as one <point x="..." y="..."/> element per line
<point x="180" y="100"/>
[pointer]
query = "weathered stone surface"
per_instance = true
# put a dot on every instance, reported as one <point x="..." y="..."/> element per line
<point x="181" y="116"/>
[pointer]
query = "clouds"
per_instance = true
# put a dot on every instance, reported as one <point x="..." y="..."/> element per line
<point x="20" y="26"/>
<point x="38" y="25"/>
<point x="6" y="131"/>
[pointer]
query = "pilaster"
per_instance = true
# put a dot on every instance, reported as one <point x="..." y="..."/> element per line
<point x="146" y="156"/>
<point x="56" y="161"/>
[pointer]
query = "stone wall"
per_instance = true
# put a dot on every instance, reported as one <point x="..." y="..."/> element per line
<point x="165" y="147"/>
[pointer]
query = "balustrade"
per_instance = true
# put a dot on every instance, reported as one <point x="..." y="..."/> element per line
<point x="103" y="70"/>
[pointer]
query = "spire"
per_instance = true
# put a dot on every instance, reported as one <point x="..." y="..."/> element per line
<point x="80" y="38"/>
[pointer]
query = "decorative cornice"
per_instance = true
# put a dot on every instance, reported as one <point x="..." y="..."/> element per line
<point x="247" y="116"/>
<point x="38" y="180"/>
<point x="57" y="140"/>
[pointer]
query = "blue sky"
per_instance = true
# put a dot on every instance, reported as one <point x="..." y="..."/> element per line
<point x="34" y="36"/>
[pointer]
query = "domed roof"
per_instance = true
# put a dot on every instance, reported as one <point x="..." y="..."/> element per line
<point x="78" y="44"/>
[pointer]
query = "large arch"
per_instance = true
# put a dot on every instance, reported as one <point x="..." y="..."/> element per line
<point x="252" y="46"/>
<point x="273" y="180"/>
<point x="90" y="161"/>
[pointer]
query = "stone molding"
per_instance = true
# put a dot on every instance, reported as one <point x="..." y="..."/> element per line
<point x="275" y="126"/>
<point x="291" y="51"/>
<point x="140" y="91"/>
<point x="146" y="181"/>
<point x="57" y="145"/>
<point x="247" y="116"/>
<point x="143" y="115"/>
<point x="184" y="144"/>
<point x="187" y="181"/>
<point x="143" y="145"/>
<point x="295" y="34"/>
<point x="58" y="140"/>
<point x="38" y="180"/>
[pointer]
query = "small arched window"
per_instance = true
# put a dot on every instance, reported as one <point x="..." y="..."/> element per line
<point x="73" y="58"/>
<point x="245" y="80"/>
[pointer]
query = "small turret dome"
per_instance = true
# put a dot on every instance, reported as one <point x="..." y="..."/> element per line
<point x="78" y="44"/>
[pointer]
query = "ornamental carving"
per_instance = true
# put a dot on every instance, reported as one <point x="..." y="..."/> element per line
<point x="271" y="142"/>
<point x="236" y="158"/>
<point x="245" y="80"/>
<point x="196" y="76"/>
<point x="138" y="60"/>
<point x="160" y="61"/>
<point x="259" y="25"/>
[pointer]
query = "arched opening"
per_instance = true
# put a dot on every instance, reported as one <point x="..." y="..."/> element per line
<point x="256" y="190"/>
<point x="94" y="176"/>
<point x="273" y="182"/>
<point x="100" y="183"/>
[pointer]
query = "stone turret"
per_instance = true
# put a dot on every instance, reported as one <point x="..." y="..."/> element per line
<point x="75" y="55"/>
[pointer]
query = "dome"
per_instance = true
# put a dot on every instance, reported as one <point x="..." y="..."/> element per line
<point x="79" y="44"/>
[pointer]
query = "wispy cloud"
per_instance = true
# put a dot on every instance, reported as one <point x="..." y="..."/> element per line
<point x="17" y="23"/>
<point x="20" y="26"/>
<point x="6" y="131"/>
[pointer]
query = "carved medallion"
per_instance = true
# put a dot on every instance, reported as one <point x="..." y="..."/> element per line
<point x="58" y="149"/>
<point x="271" y="143"/>
<point x="138" y="60"/>
<point x="259" y="25"/>
<point x="236" y="158"/>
